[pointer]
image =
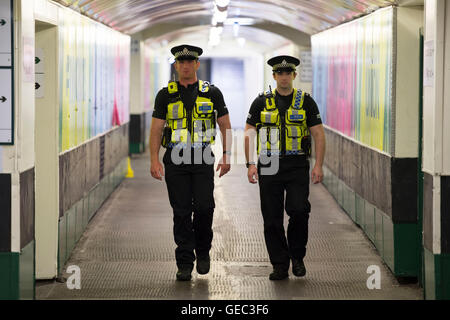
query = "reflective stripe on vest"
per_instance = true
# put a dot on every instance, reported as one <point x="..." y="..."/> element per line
<point x="202" y="117"/>
<point x="270" y="127"/>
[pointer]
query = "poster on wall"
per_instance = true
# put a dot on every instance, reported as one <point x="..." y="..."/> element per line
<point x="352" y="81"/>
<point x="6" y="73"/>
<point x="94" y="64"/>
<point x="305" y="66"/>
<point x="428" y="64"/>
<point x="28" y="59"/>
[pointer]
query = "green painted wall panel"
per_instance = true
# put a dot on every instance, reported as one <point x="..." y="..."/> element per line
<point x="388" y="242"/>
<point x="326" y="177"/>
<point x="9" y="276"/>
<point x="85" y="212"/>
<point x="359" y="210"/>
<point x="335" y="188"/>
<point x="91" y="201"/>
<point x="71" y="233"/>
<point x="345" y="197"/>
<point x="95" y="200"/>
<point x="369" y="221"/>
<point x="405" y="246"/>
<point x="379" y="231"/>
<point x="136" y="147"/>
<point x="75" y="220"/>
<point x="110" y="184"/>
<point x="444" y="277"/>
<point x="115" y="177"/>
<point x="396" y="243"/>
<point x="333" y="184"/>
<point x="62" y="242"/>
<point x="437" y="276"/>
<point x="102" y="191"/>
<point x="430" y="284"/>
<point x="27" y="272"/>
<point x="352" y="205"/>
<point x="79" y="220"/>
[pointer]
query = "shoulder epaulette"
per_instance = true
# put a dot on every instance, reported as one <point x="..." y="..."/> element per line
<point x="203" y="86"/>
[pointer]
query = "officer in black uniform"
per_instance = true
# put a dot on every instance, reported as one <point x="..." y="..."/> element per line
<point x="283" y="121"/>
<point x="184" y="121"/>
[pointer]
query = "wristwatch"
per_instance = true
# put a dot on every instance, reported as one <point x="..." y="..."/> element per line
<point x="248" y="164"/>
<point x="227" y="153"/>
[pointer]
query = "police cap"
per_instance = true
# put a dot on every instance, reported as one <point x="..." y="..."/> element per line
<point x="283" y="63"/>
<point x="186" y="52"/>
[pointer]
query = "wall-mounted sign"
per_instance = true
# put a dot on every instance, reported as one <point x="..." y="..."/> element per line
<point x="428" y="64"/>
<point x="305" y="66"/>
<point x="6" y="72"/>
<point x="5" y="33"/>
<point x="40" y="75"/>
<point x="28" y="59"/>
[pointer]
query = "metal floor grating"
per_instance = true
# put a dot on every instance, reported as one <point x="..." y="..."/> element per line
<point x="127" y="250"/>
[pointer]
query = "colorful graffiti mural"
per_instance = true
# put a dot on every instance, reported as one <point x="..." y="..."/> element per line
<point x="94" y="72"/>
<point x="352" y="78"/>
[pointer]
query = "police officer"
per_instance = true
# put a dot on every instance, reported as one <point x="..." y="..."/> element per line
<point x="283" y="121"/>
<point x="184" y="121"/>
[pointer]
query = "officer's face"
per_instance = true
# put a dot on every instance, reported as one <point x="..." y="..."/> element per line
<point x="186" y="69"/>
<point x="284" y="79"/>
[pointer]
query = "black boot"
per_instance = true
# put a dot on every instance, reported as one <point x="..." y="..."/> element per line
<point x="203" y="264"/>
<point x="184" y="273"/>
<point x="298" y="267"/>
<point x="278" y="274"/>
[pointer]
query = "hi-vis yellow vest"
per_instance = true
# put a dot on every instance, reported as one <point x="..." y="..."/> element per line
<point x="198" y="125"/>
<point x="293" y="127"/>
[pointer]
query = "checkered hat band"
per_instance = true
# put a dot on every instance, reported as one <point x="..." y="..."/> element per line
<point x="283" y="65"/>
<point x="186" y="53"/>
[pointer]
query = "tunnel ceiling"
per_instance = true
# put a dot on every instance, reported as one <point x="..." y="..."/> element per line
<point x="307" y="16"/>
<point x="256" y="40"/>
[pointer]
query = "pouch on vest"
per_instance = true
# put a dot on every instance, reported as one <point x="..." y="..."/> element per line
<point x="177" y="117"/>
<point x="293" y="138"/>
<point x="270" y="117"/>
<point x="203" y="130"/>
<point x="268" y="139"/>
<point x="203" y="122"/>
<point x="204" y="109"/>
<point x="306" y="145"/>
<point x="295" y="115"/>
<point x="166" y="137"/>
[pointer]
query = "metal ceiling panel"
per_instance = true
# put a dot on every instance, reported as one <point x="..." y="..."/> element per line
<point x="308" y="16"/>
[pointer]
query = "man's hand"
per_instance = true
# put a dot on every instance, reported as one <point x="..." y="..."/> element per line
<point x="317" y="174"/>
<point x="252" y="174"/>
<point x="224" y="166"/>
<point x="157" y="170"/>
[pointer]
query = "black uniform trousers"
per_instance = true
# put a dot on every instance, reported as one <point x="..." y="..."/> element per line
<point x="190" y="188"/>
<point x="292" y="178"/>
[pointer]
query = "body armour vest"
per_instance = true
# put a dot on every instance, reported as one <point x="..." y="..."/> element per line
<point x="196" y="127"/>
<point x="288" y="135"/>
